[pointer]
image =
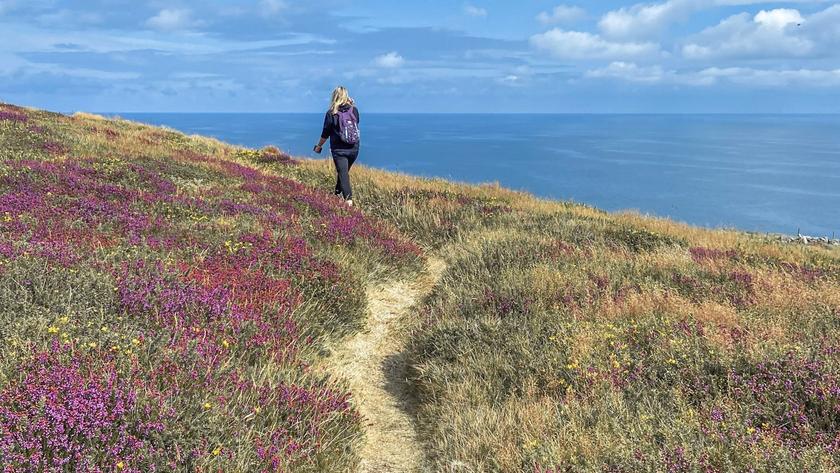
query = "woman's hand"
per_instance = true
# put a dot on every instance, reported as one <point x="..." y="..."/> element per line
<point x="320" y="145"/>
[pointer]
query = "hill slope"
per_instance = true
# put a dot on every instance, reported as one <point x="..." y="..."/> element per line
<point x="162" y="304"/>
<point x="172" y="301"/>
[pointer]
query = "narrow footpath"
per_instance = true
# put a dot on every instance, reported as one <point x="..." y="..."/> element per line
<point x="372" y="362"/>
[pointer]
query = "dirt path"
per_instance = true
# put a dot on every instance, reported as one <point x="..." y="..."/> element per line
<point x="373" y="364"/>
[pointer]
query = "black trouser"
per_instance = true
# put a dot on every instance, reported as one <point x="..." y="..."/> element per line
<point x="343" y="162"/>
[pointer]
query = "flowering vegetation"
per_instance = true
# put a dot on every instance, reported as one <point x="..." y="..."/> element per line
<point x="562" y="338"/>
<point x="165" y="301"/>
<point x="13" y="116"/>
<point x="163" y="304"/>
<point x="81" y="413"/>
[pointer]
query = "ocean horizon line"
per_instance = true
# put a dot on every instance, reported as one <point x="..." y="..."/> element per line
<point x="734" y="114"/>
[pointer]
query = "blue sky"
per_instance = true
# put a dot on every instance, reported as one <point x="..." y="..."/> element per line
<point x="431" y="56"/>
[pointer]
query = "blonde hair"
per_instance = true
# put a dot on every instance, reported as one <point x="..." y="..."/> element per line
<point x="340" y="97"/>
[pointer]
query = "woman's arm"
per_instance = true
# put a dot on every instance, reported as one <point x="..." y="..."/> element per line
<point x="325" y="133"/>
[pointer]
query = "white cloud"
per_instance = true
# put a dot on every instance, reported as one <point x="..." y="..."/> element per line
<point x="648" y="19"/>
<point x="561" y="14"/>
<point x="631" y="72"/>
<point x="512" y="80"/>
<point x="628" y="71"/>
<point x="473" y="10"/>
<point x="824" y="26"/>
<point x="770" y="33"/>
<point x="774" y="78"/>
<point x="194" y="75"/>
<point x="432" y="71"/>
<point x="22" y="38"/>
<point x="644" y="19"/>
<point x="582" y="45"/>
<point x="758" y="2"/>
<point x="779" y="18"/>
<point x="519" y="76"/>
<point x="390" y="60"/>
<point x="13" y="64"/>
<point x="172" y="19"/>
<point x="213" y="85"/>
<point x="84" y="72"/>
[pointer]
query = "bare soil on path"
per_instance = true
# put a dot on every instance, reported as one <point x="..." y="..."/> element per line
<point x="373" y="363"/>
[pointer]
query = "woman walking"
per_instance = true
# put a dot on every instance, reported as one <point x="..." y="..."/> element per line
<point x="341" y="126"/>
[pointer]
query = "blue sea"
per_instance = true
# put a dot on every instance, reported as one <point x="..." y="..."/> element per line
<point x="768" y="173"/>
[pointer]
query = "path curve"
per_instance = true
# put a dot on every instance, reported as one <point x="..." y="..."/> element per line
<point x="373" y="364"/>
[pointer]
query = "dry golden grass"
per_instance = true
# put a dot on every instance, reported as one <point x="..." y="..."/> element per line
<point x="563" y="338"/>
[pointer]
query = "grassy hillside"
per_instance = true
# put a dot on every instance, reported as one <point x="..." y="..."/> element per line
<point x="164" y="298"/>
<point x="161" y="303"/>
<point x="563" y="338"/>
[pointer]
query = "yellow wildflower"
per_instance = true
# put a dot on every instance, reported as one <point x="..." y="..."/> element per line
<point x="64" y="319"/>
<point x="225" y="343"/>
<point x="207" y="405"/>
<point x="217" y="450"/>
<point x="135" y="341"/>
<point x="120" y="465"/>
<point x="92" y="344"/>
<point x="257" y="410"/>
<point x="52" y="329"/>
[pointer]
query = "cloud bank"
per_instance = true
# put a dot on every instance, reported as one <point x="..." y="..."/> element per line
<point x="268" y="55"/>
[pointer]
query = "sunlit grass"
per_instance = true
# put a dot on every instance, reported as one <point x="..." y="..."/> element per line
<point x="563" y="338"/>
<point x="560" y="338"/>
